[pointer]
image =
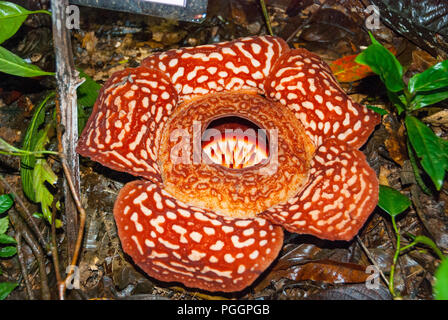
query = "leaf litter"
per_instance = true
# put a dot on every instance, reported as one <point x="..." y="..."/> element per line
<point x="307" y="268"/>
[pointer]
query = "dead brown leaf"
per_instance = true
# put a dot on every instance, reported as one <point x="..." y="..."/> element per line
<point x="395" y="143"/>
<point x="89" y="42"/>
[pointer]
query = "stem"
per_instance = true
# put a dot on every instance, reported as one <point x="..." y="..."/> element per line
<point x="408" y="97"/>
<point x="426" y="241"/>
<point x="82" y="222"/>
<point x="266" y="17"/>
<point x="415" y="168"/>
<point x="22" y="153"/>
<point x="54" y="247"/>
<point x="394" y="262"/>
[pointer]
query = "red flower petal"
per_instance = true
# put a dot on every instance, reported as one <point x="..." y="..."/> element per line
<point x="304" y="83"/>
<point x="172" y="241"/>
<point x="124" y="129"/>
<point x="242" y="64"/>
<point x="341" y="193"/>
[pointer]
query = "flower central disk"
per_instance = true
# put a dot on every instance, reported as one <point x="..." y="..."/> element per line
<point x="235" y="143"/>
<point x="244" y="173"/>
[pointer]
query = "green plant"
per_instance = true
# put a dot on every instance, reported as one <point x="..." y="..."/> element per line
<point x="35" y="170"/>
<point x="12" y="17"/>
<point x="394" y="203"/>
<point x="7" y="243"/>
<point x="441" y="285"/>
<point x="423" y="89"/>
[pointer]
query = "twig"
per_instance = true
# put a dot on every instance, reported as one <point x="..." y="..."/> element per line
<point x="82" y="214"/>
<point x="25" y="213"/>
<point x="54" y="247"/>
<point x="22" y="263"/>
<point x="372" y="260"/>
<point x="21" y="227"/>
<point x="266" y="17"/>
<point x="300" y="27"/>
<point x="82" y="222"/>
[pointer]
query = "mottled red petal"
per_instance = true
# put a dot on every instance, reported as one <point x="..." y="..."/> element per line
<point x="242" y="64"/>
<point x="304" y="83"/>
<point x="341" y="193"/>
<point x="124" y="129"/>
<point x="172" y="241"/>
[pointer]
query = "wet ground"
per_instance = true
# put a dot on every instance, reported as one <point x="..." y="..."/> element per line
<point x="307" y="268"/>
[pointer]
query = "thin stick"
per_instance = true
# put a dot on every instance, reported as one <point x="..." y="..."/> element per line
<point x="266" y="17"/>
<point x="25" y="213"/>
<point x="372" y="259"/>
<point x="300" y="27"/>
<point x="54" y="247"/>
<point x="82" y="222"/>
<point x="62" y="285"/>
<point x="18" y="224"/>
<point x="22" y="263"/>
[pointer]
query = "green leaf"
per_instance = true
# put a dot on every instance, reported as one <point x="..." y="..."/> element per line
<point x="392" y="201"/>
<point x="5" y="239"/>
<point x="35" y="171"/>
<point x="384" y="64"/>
<point x="416" y="169"/>
<point x="432" y="150"/>
<point x="428" y="98"/>
<point x="7" y="252"/>
<point x="441" y="285"/>
<point x="378" y="110"/>
<point x="398" y="100"/>
<point x="43" y="174"/>
<point x="13" y="64"/>
<point x="88" y="91"/>
<point x="6" y="202"/>
<point x="87" y="95"/>
<point x="27" y="163"/>
<point x="11" y="18"/>
<point x="6" y="288"/>
<point x="4" y="224"/>
<point x="431" y="79"/>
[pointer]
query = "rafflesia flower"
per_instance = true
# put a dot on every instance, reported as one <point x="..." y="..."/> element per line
<point x="211" y="215"/>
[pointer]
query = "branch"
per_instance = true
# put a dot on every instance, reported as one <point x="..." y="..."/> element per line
<point x="67" y="83"/>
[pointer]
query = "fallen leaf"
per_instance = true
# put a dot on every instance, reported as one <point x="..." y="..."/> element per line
<point x="89" y="42"/>
<point x="329" y="271"/>
<point x="438" y="119"/>
<point x="353" y="292"/>
<point x="347" y="70"/>
<point x="422" y="60"/>
<point x="325" y="270"/>
<point x="395" y="142"/>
